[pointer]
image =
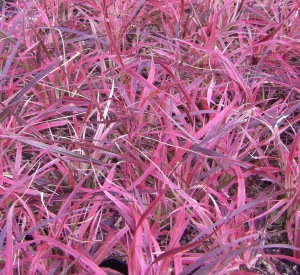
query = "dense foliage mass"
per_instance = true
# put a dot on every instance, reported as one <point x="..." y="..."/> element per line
<point x="163" y="134"/>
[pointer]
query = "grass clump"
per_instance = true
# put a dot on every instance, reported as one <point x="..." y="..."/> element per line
<point x="162" y="135"/>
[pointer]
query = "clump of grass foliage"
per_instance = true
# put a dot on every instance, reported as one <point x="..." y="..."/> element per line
<point x="161" y="133"/>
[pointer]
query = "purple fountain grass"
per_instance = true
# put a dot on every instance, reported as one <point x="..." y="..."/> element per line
<point x="162" y="134"/>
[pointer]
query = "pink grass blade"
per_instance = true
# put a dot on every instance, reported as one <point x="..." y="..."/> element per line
<point x="18" y="97"/>
<point x="88" y="264"/>
<point x="9" y="247"/>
